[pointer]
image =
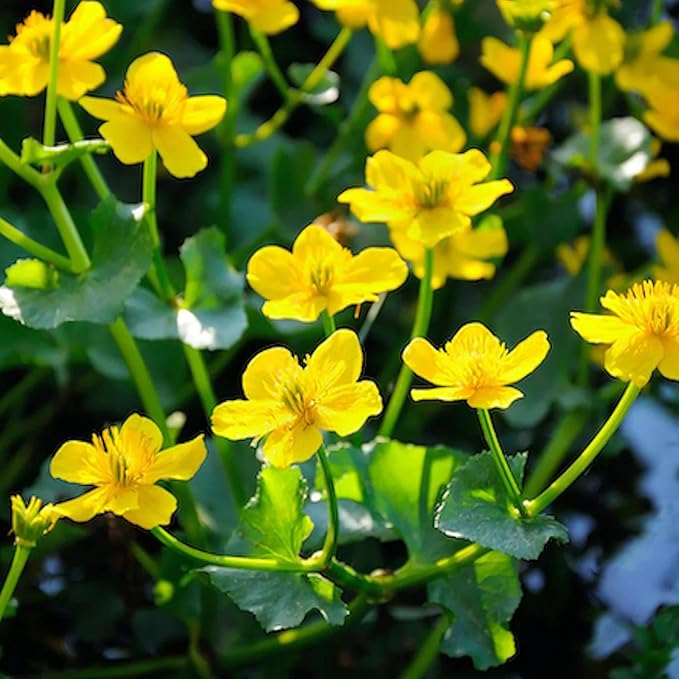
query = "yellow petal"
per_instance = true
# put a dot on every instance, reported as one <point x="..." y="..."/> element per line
<point x="448" y="394"/>
<point x="482" y="243"/>
<point x="669" y="365"/>
<point x="395" y="21"/>
<point x="633" y="357"/>
<point x="104" y="109"/>
<point x="430" y="226"/>
<point x="524" y="358"/>
<point x="84" y="507"/>
<point x="663" y="123"/>
<point x="428" y="362"/>
<point x="385" y="170"/>
<point x="500" y="59"/>
<point x="272" y="20"/>
<point x="315" y="244"/>
<point x="238" y="419"/>
<point x="430" y="92"/>
<point x="381" y="131"/>
<point x="181" y="155"/>
<point x="599" y="328"/>
<point x="440" y="130"/>
<point x="598" y="44"/>
<point x="374" y="270"/>
<point x="274" y="273"/>
<point x="668" y="249"/>
<point x="155" y="507"/>
<point x="137" y="424"/>
<point x="438" y="43"/>
<point x="337" y="361"/>
<point x="88" y="33"/>
<point x="494" y="397"/>
<point x="345" y="409"/>
<point x="78" y="77"/>
<point x="267" y="371"/>
<point x="178" y="462"/>
<point x="80" y="462"/>
<point x="302" y="306"/>
<point x="152" y="67"/>
<point x="130" y="139"/>
<point x="202" y="113"/>
<point x="371" y="206"/>
<point x="285" y="446"/>
<point x="478" y="198"/>
<point x="122" y="499"/>
<point x="408" y="143"/>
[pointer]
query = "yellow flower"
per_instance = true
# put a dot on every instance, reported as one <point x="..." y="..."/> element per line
<point x="291" y="405"/>
<point x="429" y="200"/>
<point x="485" y="110"/>
<point x="656" y="167"/>
<point x="474" y="366"/>
<point x="124" y="464"/>
<point x="504" y="62"/>
<point x="31" y="521"/>
<point x="668" y="252"/>
<point x="438" y="43"/>
<point x="573" y="256"/>
<point x="644" y="65"/>
<point x="397" y="22"/>
<point x="461" y="256"/>
<point x="526" y="15"/>
<point x="268" y="16"/>
<point x="643" y="331"/>
<point x="319" y="274"/>
<point x="154" y="111"/>
<point x="663" y="115"/>
<point x="25" y="62"/>
<point x="413" y="119"/>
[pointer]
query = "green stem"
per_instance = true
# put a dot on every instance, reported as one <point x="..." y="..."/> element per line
<point x="348" y="578"/>
<point x="588" y="455"/>
<point x="21" y="554"/>
<point x="594" y="83"/>
<point x="429" y="650"/>
<point x="50" y="122"/>
<point x="656" y="11"/>
<point x="420" y="327"/>
<point x="296" y="97"/>
<point x="12" y="234"/>
<point x="140" y="375"/>
<point x="74" y="132"/>
<point x="504" y="135"/>
<point x="264" y="49"/>
<point x="385" y="57"/>
<point x="239" y="562"/>
<point x="113" y="670"/>
<point x="208" y="399"/>
<point x="503" y="469"/>
<point x="26" y="172"/>
<point x="328" y="323"/>
<point x="332" y="534"/>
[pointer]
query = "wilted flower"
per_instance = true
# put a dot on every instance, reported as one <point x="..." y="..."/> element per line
<point x="268" y="16"/>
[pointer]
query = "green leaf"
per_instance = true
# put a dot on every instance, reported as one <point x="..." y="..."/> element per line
<point x="625" y="149"/>
<point x="325" y="92"/>
<point x="35" y="153"/>
<point x="482" y="597"/>
<point x="476" y="508"/>
<point x="272" y="525"/>
<point x="211" y="314"/>
<point x="121" y="256"/>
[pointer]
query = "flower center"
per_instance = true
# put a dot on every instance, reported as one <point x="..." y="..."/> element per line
<point x="155" y="102"/>
<point x="431" y="194"/>
<point x="322" y="277"/>
<point x="35" y="35"/>
<point x="127" y="457"/>
<point x="654" y="307"/>
<point x="294" y="398"/>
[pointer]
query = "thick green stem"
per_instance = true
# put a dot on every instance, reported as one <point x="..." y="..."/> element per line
<point x="21" y="554"/>
<point x="429" y="650"/>
<point x="26" y="172"/>
<point x="656" y="11"/>
<point x="264" y="49"/>
<point x="328" y="323"/>
<point x="12" y="234"/>
<point x="503" y="469"/>
<point x="420" y="327"/>
<point x="594" y="83"/>
<point x="588" y="455"/>
<point x="240" y="562"/>
<point x="504" y="135"/>
<point x="332" y="534"/>
<point x="281" y="116"/>
<point x="74" y="132"/>
<point x="50" y="121"/>
<point x="385" y="57"/>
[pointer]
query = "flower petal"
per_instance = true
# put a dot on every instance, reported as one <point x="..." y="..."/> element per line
<point x="303" y="306"/>
<point x="80" y="462"/>
<point x="239" y="419"/>
<point x="104" y="109"/>
<point x="202" y="113"/>
<point x="430" y="91"/>
<point x="130" y="139"/>
<point x="428" y="362"/>
<point x="337" y="361"/>
<point x="84" y="507"/>
<point x="268" y="371"/>
<point x="524" y="358"/>
<point x="598" y="44"/>
<point x="478" y="198"/>
<point x="181" y="155"/>
<point x="178" y="462"/>
<point x="155" y="507"/>
<point x="441" y="394"/>
<point x="395" y="21"/>
<point x="372" y="271"/>
<point x="88" y="33"/>
<point x="285" y="446"/>
<point x="634" y="357"/>
<point x="494" y="397"/>
<point x="78" y="77"/>
<point x="273" y="273"/>
<point x="345" y="409"/>
<point x="140" y="425"/>
<point x="669" y="365"/>
<point x="599" y="328"/>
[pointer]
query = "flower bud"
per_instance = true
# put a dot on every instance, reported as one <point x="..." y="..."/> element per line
<point x="526" y="15"/>
<point x="30" y="522"/>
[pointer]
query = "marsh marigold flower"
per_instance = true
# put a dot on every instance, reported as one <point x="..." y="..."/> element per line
<point x="428" y="200"/>
<point x="124" y="464"/>
<point x="642" y="330"/>
<point x="25" y="62"/>
<point x="268" y="16"/>
<point x="462" y="256"/>
<point x="31" y="521"/>
<point x="485" y="110"/>
<point x="291" y="404"/>
<point x="413" y="119"/>
<point x="319" y="274"/>
<point x="397" y="22"/>
<point x="154" y="111"/>
<point x="504" y="62"/>
<point x="668" y="252"/>
<point x="474" y="366"/>
<point x="438" y="43"/>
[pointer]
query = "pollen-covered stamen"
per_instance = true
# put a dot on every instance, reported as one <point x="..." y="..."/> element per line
<point x="296" y="400"/>
<point x="432" y="194"/>
<point x="653" y="306"/>
<point x="155" y="102"/>
<point x="322" y="277"/>
<point x="481" y="364"/>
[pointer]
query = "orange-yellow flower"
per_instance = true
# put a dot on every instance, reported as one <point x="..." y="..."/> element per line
<point x="154" y="111"/>
<point x="642" y="331"/>
<point x="462" y="256"/>
<point x="529" y="145"/>
<point x="397" y="22"/>
<point x="504" y="62"/>
<point x="429" y="200"/>
<point x="485" y="110"/>
<point x="438" y="43"/>
<point x="668" y="252"/>
<point x="291" y="405"/>
<point x="25" y="62"/>
<point x="413" y="119"/>
<point x="474" y="366"/>
<point x="124" y="464"/>
<point x="268" y="16"/>
<point x="319" y="274"/>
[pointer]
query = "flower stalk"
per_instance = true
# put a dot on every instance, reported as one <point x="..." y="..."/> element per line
<point x="332" y="534"/>
<point x="14" y="235"/>
<point x="21" y="554"/>
<point x="328" y="323"/>
<point x="50" y="121"/>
